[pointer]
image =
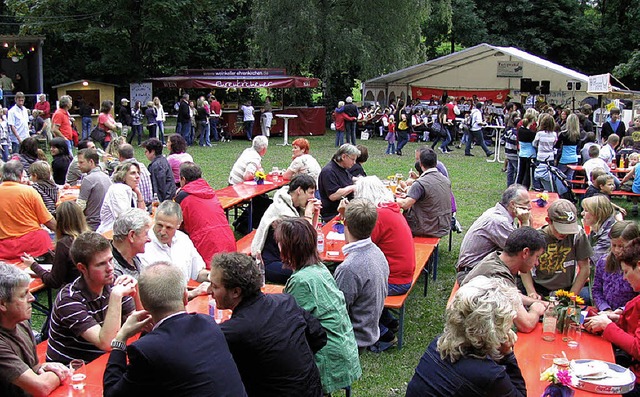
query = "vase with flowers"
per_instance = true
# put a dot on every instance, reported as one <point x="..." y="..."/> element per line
<point x="259" y="177"/>
<point x="560" y="381"/>
<point x="542" y="199"/>
<point x="567" y="309"/>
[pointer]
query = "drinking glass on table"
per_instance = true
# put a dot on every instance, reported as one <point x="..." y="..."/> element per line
<point x="546" y="361"/>
<point x="574" y="334"/>
<point x="78" y="374"/>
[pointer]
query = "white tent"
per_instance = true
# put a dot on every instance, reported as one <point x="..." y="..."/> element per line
<point x="488" y="71"/>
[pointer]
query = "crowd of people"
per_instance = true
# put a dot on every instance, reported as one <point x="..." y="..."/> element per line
<point x="306" y="341"/>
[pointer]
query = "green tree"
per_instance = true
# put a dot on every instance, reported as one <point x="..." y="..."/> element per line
<point x="128" y="40"/>
<point x="338" y="40"/>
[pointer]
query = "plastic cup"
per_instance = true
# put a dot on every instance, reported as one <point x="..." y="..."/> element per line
<point x="78" y="374"/>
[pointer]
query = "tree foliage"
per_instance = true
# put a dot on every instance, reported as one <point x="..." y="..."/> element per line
<point x="338" y="40"/>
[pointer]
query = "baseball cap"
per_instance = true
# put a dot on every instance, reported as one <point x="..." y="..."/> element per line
<point x="349" y="99"/>
<point x="563" y="216"/>
<point x="124" y="100"/>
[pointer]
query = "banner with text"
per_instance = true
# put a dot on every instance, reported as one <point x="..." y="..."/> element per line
<point x="424" y="93"/>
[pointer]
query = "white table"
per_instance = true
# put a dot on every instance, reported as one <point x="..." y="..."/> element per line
<point x="286" y="118"/>
<point x="496" y="151"/>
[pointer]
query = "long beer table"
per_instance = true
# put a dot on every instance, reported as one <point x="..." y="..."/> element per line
<point x="95" y="369"/>
<point x="530" y="347"/>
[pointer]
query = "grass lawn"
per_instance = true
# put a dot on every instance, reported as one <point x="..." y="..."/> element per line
<point x="477" y="185"/>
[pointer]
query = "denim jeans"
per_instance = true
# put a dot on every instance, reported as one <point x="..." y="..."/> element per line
<point x="248" y="129"/>
<point x="476" y="136"/>
<point x="402" y="140"/>
<point x="350" y="128"/>
<point x="160" y="125"/>
<point x="15" y="147"/>
<point x="391" y="148"/>
<point x="512" y="170"/>
<point x="275" y="272"/>
<point x="86" y="127"/>
<point x="446" y="141"/>
<point x="204" y="133"/>
<point x="4" y="149"/>
<point x="339" y="138"/>
<point x="135" y="130"/>
<point x="184" y="129"/>
<point x="70" y="146"/>
<point x="213" y="128"/>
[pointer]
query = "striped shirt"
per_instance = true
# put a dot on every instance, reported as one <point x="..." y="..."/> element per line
<point x="75" y="310"/>
<point x="545" y="142"/>
<point x="511" y="144"/>
<point x="249" y="161"/>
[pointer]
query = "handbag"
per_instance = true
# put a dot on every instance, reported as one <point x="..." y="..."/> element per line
<point x="333" y="126"/>
<point x="98" y="134"/>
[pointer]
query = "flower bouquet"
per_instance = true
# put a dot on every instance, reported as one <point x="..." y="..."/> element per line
<point x="259" y="177"/>
<point x="338" y="227"/>
<point x="542" y="200"/>
<point x="560" y="380"/>
<point x="565" y="300"/>
<point x="15" y="52"/>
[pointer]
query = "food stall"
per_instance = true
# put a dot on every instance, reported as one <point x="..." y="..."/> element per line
<point x="91" y="92"/>
<point x="309" y="120"/>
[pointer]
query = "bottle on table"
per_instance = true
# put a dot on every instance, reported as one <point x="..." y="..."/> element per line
<point x="550" y="321"/>
<point x="320" y="238"/>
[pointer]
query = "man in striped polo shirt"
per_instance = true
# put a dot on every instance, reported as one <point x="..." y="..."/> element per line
<point x="88" y="312"/>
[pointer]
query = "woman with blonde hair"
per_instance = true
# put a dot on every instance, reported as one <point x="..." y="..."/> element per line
<point x="599" y="215"/>
<point x="610" y="290"/>
<point x="568" y="145"/>
<point x="160" y="118"/>
<point x="70" y="223"/>
<point x="122" y="195"/>
<point x="476" y="347"/>
<point x="526" y="153"/>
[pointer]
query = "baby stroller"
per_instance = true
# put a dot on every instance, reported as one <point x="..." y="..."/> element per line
<point x="554" y="180"/>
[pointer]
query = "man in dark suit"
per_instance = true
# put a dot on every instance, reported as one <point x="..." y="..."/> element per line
<point x="184" y="355"/>
<point x="272" y="339"/>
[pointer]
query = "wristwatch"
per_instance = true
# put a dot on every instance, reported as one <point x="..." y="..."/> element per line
<point x="118" y="345"/>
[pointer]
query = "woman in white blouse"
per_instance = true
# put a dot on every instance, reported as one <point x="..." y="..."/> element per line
<point x="122" y="195"/>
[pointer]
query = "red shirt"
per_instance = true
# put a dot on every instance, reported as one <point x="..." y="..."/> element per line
<point x="626" y="334"/>
<point x="393" y="236"/>
<point x="61" y="117"/>
<point x="215" y="107"/>
<point x="45" y="107"/>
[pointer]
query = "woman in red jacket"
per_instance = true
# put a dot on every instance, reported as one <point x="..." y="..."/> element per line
<point x="621" y="328"/>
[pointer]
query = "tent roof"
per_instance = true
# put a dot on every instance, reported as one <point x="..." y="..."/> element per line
<point x="422" y="71"/>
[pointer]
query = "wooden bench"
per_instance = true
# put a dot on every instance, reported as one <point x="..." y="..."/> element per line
<point x="622" y="193"/>
<point x="244" y="244"/>
<point x="433" y="261"/>
<point x="397" y="302"/>
<point x="455" y="289"/>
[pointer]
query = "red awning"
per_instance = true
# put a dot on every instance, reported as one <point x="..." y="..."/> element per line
<point x="200" y="81"/>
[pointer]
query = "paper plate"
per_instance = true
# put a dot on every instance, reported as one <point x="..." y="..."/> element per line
<point x="616" y="380"/>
